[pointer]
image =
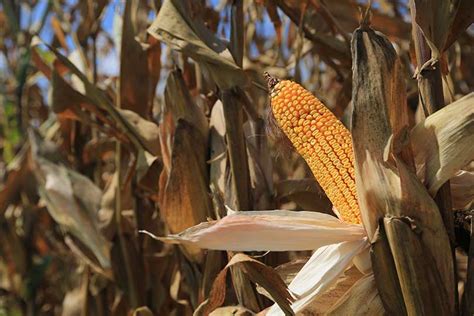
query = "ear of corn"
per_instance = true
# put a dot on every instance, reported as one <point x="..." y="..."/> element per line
<point x="323" y="141"/>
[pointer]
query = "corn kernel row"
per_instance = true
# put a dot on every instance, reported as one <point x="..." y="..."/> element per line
<point x="322" y="140"/>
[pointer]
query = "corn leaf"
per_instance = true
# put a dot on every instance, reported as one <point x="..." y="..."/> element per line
<point x="442" y="143"/>
<point x="175" y="26"/>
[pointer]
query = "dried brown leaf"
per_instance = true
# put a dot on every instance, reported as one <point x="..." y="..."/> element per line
<point x="237" y="193"/>
<point x="91" y="12"/>
<point x="179" y="103"/>
<point x="134" y="72"/>
<point x="258" y="273"/>
<point x="175" y="27"/>
<point x="102" y="104"/>
<point x="435" y="18"/>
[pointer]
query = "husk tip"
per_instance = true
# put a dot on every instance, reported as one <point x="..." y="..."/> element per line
<point x="271" y="81"/>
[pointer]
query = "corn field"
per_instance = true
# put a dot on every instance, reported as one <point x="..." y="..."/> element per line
<point x="234" y="157"/>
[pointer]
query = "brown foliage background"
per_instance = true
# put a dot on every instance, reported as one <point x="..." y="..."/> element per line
<point x="122" y="116"/>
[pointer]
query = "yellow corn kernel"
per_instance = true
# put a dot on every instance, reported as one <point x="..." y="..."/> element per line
<point x="330" y="155"/>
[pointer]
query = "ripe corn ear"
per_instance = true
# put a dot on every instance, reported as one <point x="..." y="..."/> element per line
<point x="323" y="141"/>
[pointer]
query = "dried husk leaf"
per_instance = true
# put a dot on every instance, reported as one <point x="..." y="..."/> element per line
<point x="184" y="194"/>
<point x="361" y="299"/>
<point x="73" y="302"/>
<point x="443" y="143"/>
<point x="418" y="299"/>
<point x="175" y="26"/>
<point x="385" y="182"/>
<point x="277" y="230"/>
<point x="321" y="273"/>
<point x="384" y="268"/>
<point x="322" y="304"/>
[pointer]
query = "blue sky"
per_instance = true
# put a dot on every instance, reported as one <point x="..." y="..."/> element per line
<point x="108" y="65"/>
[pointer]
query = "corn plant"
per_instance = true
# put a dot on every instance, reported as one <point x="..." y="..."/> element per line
<point x="236" y="157"/>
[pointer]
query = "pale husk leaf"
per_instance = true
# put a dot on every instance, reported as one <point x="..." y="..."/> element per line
<point x="361" y="299"/>
<point x="321" y="272"/>
<point x="443" y="143"/>
<point x="277" y="230"/>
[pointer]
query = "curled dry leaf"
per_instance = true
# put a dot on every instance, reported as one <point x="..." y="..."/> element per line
<point x="258" y="273"/>
<point x="175" y="26"/>
<point x="327" y="45"/>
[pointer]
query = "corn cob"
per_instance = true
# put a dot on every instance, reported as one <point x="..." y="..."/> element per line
<point x="321" y="139"/>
